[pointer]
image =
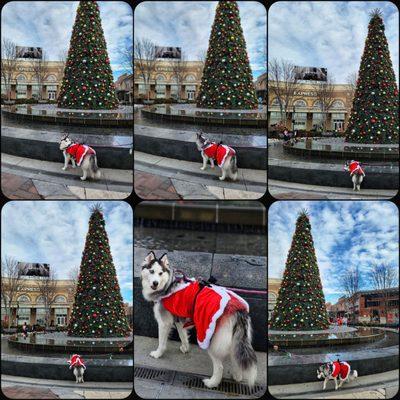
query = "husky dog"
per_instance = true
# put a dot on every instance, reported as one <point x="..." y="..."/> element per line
<point x="81" y="155"/>
<point x="335" y="370"/>
<point x="76" y="362"/>
<point x="224" y="155"/>
<point x="221" y="318"/>
<point x="356" y="173"/>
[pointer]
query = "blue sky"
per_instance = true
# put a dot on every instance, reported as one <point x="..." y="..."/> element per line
<point x="346" y="234"/>
<point x="187" y="24"/>
<point x="48" y="24"/>
<point x="328" y="34"/>
<point x="54" y="232"/>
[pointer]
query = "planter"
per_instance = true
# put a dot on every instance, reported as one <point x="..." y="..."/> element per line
<point x="9" y="102"/>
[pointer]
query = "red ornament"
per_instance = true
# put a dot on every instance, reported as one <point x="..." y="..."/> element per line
<point x="94" y="315"/>
<point x="373" y="120"/>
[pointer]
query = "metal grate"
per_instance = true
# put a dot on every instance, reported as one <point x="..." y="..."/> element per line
<point x="154" y="374"/>
<point x="226" y="386"/>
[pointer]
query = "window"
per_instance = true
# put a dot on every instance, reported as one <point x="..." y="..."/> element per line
<point x="337" y="104"/>
<point x="369" y="303"/>
<point x="41" y="316"/>
<point x="190" y="78"/>
<point x="275" y="102"/>
<point x="61" y="316"/>
<point x="190" y="92"/>
<point x="274" y="117"/>
<point x="23" y="299"/>
<point x="142" y="88"/>
<point x="317" y="121"/>
<point x="21" y="87"/>
<point x="51" y="78"/>
<point x="299" y="120"/>
<point x="24" y="315"/>
<point x="317" y="104"/>
<point x="60" y="299"/>
<point x="300" y="103"/>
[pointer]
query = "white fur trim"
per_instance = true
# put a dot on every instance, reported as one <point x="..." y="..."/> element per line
<point x="83" y="155"/>
<point x="211" y="328"/>
<point x="177" y="288"/>
<point x="243" y="301"/>
<point x="348" y="370"/>
<point x="227" y="151"/>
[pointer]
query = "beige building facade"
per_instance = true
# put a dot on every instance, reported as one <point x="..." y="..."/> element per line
<point x="25" y="85"/>
<point x="273" y="289"/>
<point x="28" y="304"/>
<point x="124" y="89"/>
<point x="164" y="84"/>
<point x="305" y="110"/>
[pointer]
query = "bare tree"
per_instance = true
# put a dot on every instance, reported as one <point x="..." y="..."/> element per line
<point x="8" y="63"/>
<point x="126" y="55"/>
<point x="352" y="83"/>
<point x="384" y="277"/>
<point x="179" y="70"/>
<point x="351" y="283"/>
<point x="73" y="276"/>
<point x="325" y="93"/>
<point x="11" y="284"/>
<point x="145" y="61"/>
<point x="282" y="82"/>
<point x="40" y="69"/>
<point x="47" y="287"/>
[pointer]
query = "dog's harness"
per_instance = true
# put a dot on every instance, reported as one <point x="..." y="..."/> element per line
<point x="218" y="152"/>
<point x="76" y="361"/>
<point x="78" y="151"/>
<point x="339" y="368"/>
<point x="202" y="304"/>
<point x="355" y="168"/>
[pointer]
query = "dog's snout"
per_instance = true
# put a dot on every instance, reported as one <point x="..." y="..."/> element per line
<point x="155" y="283"/>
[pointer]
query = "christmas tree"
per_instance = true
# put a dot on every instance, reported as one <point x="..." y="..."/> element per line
<point x="227" y="81"/>
<point x="88" y="80"/>
<point x="301" y="302"/>
<point x="374" y="116"/>
<point x="98" y="309"/>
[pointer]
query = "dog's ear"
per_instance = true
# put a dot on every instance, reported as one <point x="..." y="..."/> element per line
<point x="164" y="260"/>
<point x="150" y="257"/>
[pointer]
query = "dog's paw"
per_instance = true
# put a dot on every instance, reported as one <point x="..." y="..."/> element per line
<point x="212" y="166"/>
<point x="64" y="168"/>
<point x="74" y="166"/>
<point x="202" y="168"/>
<point x="210" y="383"/>
<point x="83" y="179"/>
<point x="184" y="348"/>
<point x="155" y="354"/>
<point x="237" y="376"/>
<point x="221" y="178"/>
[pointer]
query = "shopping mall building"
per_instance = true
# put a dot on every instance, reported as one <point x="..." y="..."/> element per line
<point x="28" y="305"/>
<point x="305" y="111"/>
<point x="25" y="85"/>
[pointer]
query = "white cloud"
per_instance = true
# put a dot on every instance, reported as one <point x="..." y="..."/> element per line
<point x="188" y="25"/>
<point x="49" y="25"/>
<point x="328" y="34"/>
<point x="54" y="232"/>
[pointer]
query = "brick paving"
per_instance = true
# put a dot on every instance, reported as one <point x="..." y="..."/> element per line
<point x="18" y="187"/>
<point x="154" y="187"/>
<point x="26" y="392"/>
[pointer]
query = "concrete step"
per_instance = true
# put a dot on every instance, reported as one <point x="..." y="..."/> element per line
<point x="52" y="182"/>
<point x="189" y="180"/>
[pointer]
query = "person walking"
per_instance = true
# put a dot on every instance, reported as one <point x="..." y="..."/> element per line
<point x="24" y="330"/>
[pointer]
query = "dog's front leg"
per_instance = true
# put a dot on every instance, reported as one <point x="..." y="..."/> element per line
<point x="205" y="159"/>
<point x="325" y="382"/>
<point x="212" y="162"/>
<point x="66" y="161"/>
<point x="336" y="385"/>
<point x="222" y="178"/>
<point x="183" y="335"/>
<point x="73" y="163"/>
<point x="163" y="331"/>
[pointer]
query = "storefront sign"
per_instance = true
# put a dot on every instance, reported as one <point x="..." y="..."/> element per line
<point x="303" y="93"/>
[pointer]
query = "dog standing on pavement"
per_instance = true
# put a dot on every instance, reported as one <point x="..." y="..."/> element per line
<point x="221" y="318"/>
<point x="80" y="155"/>
<point x="336" y="370"/>
<point x="76" y="362"/>
<point x="225" y="156"/>
<point x="356" y="173"/>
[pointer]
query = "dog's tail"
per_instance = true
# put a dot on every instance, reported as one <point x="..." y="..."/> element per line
<point x="94" y="167"/>
<point x="243" y="351"/>
<point x="234" y="164"/>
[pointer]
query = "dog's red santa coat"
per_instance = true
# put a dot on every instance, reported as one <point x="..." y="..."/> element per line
<point x="203" y="307"/>
<point x="355" y="168"/>
<point x="76" y="361"/>
<point x="77" y="151"/>
<point x="342" y="369"/>
<point x="218" y="152"/>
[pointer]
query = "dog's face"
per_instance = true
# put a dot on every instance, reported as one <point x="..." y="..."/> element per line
<point x="65" y="142"/>
<point x="155" y="273"/>
<point x="323" y="371"/>
<point x="201" y="140"/>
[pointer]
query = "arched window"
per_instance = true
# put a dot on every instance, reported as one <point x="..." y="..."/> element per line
<point x="40" y="299"/>
<point x="60" y="299"/>
<point x="51" y="78"/>
<point x="300" y="103"/>
<point x="317" y="104"/>
<point x="275" y="102"/>
<point x="21" y="78"/>
<point x="337" y="104"/>
<point x="190" y="78"/>
<point x="160" y="78"/>
<point x="24" y="299"/>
